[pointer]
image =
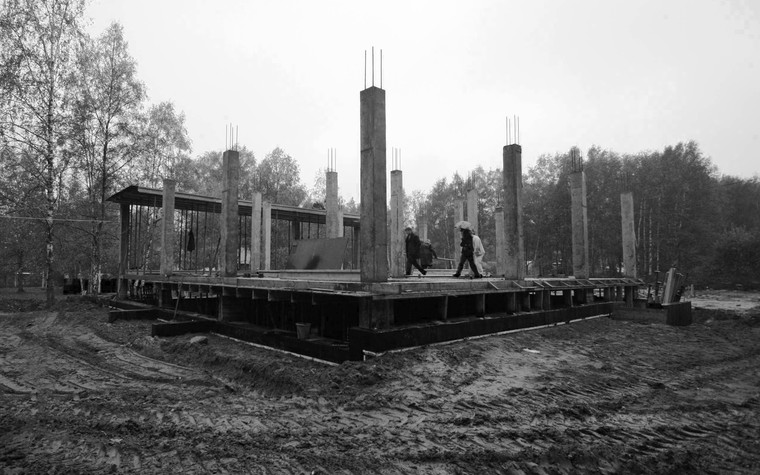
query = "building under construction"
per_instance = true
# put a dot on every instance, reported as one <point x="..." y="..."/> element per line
<point x="330" y="285"/>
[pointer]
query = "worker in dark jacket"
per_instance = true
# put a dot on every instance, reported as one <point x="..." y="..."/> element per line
<point x="427" y="254"/>
<point x="412" y="252"/>
<point x="468" y="251"/>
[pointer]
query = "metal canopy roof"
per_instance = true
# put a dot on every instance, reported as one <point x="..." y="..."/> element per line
<point x="142" y="196"/>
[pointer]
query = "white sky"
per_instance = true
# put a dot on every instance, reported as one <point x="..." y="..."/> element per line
<point x="628" y="76"/>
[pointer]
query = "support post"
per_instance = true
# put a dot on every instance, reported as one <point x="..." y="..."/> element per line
<point x="230" y="230"/>
<point x="501" y="246"/>
<point x="266" y="217"/>
<point x="567" y="295"/>
<point x="579" y="218"/>
<point x="480" y="305"/>
<point x="443" y="307"/>
<point x="256" y="232"/>
<point x="458" y="216"/>
<point x="629" y="234"/>
<point x="375" y="314"/>
<point x="167" y="228"/>
<point x="513" y="237"/>
<point x="334" y="224"/>
<point x="512" y="302"/>
<point x="374" y="220"/>
<point x="123" y="283"/>
<point x="397" y="224"/>
<point x="472" y="209"/>
<point x="423" y="228"/>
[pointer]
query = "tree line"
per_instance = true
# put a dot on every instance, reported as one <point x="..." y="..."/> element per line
<point x="686" y="214"/>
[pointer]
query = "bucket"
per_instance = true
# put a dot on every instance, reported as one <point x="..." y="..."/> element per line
<point x="302" y="330"/>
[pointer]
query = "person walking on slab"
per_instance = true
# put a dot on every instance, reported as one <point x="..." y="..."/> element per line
<point x="427" y="254"/>
<point x="468" y="251"/>
<point x="412" y="252"/>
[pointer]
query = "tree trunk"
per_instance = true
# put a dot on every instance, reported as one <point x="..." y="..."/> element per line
<point x="50" y="198"/>
<point x="20" y="272"/>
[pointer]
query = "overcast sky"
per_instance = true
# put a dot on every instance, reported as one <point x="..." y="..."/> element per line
<point x="628" y="76"/>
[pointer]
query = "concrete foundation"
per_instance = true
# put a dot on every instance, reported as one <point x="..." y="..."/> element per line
<point x="513" y="226"/>
<point x="629" y="235"/>
<point x="374" y="215"/>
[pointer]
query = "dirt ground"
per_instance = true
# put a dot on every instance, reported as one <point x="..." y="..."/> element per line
<point x="79" y="395"/>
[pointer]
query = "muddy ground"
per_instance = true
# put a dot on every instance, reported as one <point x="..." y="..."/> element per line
<point x="79" y="395"/>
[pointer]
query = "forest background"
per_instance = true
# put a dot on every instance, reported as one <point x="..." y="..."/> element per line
<point x="76" y="126"/>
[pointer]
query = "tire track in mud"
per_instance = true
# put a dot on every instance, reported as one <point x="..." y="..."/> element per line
<point x="500" y="407"/>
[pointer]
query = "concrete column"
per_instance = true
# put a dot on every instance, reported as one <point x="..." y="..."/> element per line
<point x="513" y="236"/>
<point x="256" y="232"/>
<point x="167" y="228"/>
<point x="480" y="305"/>
<point x="501" y="246"/>
<point x="374" y="196"/>
<point x="423" y="228"/>
<point x="512" y="302"/>
<point x="266" y="217"/>
<point x="629" y="234"/>
<point x="458" y="216"/>
<point x="229" y="222"/>
<point x="123" y="283"/>
<point x="397" y="224"/>
<point x="340" y="223"/>
<point x="579" y="217"/>
<point x="472" y="209"/>
<point x="334" y="225"/>
<point x="567" y="296"/>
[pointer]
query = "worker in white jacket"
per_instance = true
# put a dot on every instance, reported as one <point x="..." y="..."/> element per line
<point x="479" y="252"/>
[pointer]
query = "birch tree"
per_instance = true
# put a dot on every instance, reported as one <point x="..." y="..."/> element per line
<point x="38" y="41"/>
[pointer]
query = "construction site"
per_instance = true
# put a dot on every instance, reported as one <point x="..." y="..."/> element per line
<point x="215" y="265"/>
<point x="256" y="337"/>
